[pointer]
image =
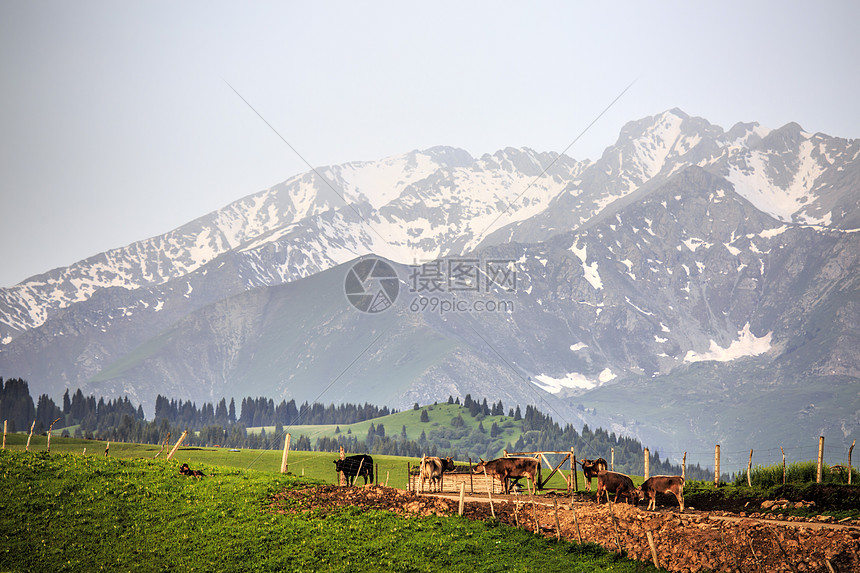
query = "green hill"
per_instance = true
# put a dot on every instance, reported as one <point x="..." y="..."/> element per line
<point x="450" y="430"/>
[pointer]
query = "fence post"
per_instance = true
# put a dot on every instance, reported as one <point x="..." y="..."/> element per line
<point x="471" y="473"/>
<point x="490" y="493"/>
<point x="684" y="466"/>
<point x="164" y="444"/>
<point x="612" y="458"/>
<point x="653" y="547"/>
<point x="342" y="478"/>
<point x="647" y="464"/>
<point x="51" y="427"/>
<point x="783" y="465"/>
<point x="27" y="449"/>
<point x="851" y="449"/>
<point x="177" y="444"/>
<point x="7" y="421"/>
<point x="574" y="482"/>
<point x="749" y="470"/>
<point x="361" y="463"/>
<point x="717" y="466"/>
<point x="820" y="459"/>
<point x="286" y="453"/>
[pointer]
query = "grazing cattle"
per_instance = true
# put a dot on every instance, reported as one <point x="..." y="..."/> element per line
<point x="186" y="471"/>
<point x="662" y="484"/>
<point x="353" y="466"/>
<point x="506" y="468"/>
<point x="432" y="469"/>
<point x="613" y="482"/>
<point x="590" y="468"/>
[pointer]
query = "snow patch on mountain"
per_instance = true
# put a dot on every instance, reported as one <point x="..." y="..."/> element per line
<point x="380" y="182"/>
<point x="572" y="380"/>
<point x="753" y="179"/>
<point x="589" y="271"/>
<point x="556" y="385"/>
<point x="747" y="344"/>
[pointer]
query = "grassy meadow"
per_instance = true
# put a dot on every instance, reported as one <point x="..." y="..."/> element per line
<point x="65" y="511"/>
<point x="392" y="470"/>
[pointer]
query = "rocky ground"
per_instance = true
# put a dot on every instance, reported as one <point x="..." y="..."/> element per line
<point x="697" y="540"/>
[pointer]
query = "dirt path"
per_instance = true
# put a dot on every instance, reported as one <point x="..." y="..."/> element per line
<point x="689" y="513"/>
<point x="692" y="541"/>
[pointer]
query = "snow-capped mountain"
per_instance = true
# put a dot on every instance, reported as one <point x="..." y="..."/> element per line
<point x="442" y="202"/>
<point x="412" y="207"/>
<point x="688" y="265"/>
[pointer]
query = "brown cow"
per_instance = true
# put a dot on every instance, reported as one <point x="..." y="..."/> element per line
<point x="432" y="469"/>
<point x="506" y="468"/>
<point x="590" y="468"/>
<point x="620" y="484"/>
<point x="662" y="484"/>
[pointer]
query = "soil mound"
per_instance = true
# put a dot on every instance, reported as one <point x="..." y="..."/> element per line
<point x="692" y="541"/>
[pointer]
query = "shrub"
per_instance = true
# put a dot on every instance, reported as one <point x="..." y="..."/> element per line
<point x="765" y="477"/>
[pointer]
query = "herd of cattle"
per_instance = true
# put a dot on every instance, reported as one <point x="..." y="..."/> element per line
<point x="508" y="470"/>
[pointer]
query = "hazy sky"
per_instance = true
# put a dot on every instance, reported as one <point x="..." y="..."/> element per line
<point x="118" y="123"/>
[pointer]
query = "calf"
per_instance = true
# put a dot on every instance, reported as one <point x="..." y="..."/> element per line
<point x="620" y="484"/>
<point x="432" y="469"/>
<point x="353" y="466"/>
<point x="186" y="471"/>
<point x="662" y="484"/>
<point x="506" y="468"/>
<point x="590" y="468"/>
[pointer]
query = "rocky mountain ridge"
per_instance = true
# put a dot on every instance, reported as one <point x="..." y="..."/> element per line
<point x="689" y="265"/>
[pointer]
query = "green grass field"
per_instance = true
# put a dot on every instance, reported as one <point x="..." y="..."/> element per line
<point x="65" y="511"/>
<point x="392" y="470"/>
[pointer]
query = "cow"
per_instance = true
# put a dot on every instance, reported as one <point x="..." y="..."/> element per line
<point x="662" y="484"/>
<point x="353" y="466"/>
<point x="432" y="469"/>
<point x="613" y="482"/>
<point x="590" y="468"/>
<point x="187" y="471"/>
<point x="506" y="468"/>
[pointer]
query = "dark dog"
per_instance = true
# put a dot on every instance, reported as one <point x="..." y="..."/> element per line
<point x="186" y="471"/>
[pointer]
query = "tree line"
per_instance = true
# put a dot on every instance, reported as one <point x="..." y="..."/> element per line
<point x="219" y="424"/>
<point x="261" y="411"/>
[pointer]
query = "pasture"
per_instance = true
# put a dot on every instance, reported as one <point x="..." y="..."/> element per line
<point x="65" y="511"/>
<point x="312" y="465"/>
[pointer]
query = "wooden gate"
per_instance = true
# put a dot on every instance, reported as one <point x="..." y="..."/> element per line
<point x="541" y="457"/>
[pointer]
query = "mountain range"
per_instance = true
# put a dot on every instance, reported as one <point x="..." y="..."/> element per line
<point x="693" y="286"/>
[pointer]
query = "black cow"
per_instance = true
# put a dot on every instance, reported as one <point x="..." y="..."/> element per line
<point x="353" y="466"/>
<point x="590" y="469"/>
